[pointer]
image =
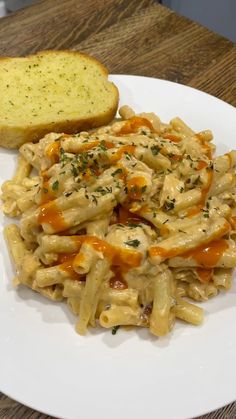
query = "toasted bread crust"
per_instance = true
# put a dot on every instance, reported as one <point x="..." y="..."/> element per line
<point x="13" y="135"/>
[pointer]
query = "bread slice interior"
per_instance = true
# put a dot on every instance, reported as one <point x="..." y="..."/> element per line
<point x="60" y="91"/>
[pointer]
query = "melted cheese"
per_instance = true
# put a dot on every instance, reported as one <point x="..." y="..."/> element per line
<point x="50" y="214"/>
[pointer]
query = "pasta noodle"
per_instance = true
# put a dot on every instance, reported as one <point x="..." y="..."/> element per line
<point x="125" y="221"/>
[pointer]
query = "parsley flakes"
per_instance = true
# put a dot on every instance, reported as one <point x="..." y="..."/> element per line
<point x="133" y="243"/>
<point x="116" y="172"/>
<point x="114" y="330"/>
<point x="155" y="150"/>
<point x="55" y="185"/>
<point x="169" y="204"/>
<point x="103" y="146"/>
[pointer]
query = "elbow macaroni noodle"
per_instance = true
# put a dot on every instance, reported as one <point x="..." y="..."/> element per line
<point x="124" y="221"/>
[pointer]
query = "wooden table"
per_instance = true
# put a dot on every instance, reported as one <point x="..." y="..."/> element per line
<point x="129" y="37"/>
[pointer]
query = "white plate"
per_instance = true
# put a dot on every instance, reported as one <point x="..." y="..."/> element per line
<point x="47" y="366"/>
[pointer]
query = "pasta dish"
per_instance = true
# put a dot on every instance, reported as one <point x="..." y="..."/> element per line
<point x="126" y="223"/>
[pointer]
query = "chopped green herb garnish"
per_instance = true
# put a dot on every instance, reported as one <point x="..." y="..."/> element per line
<point x="74" y="170"/>
<point x="133" y="243"/>
<point x="197" y="180"/>
<point x="104" y="191"/>
<point x="103" y="146"/>
<point x="211" y="166"/>
<point x="94" y="199"/>
<point x="155" y="150"/>
<point x="169" y="204"/>
<point x="116" y="172"/>
<point x="67" y="194"/>
<point x="127" y="155"/>
<point x="189" y="158"/>
<point x="101" y="190"/>
<point x="166" y="221"/>
<point x="55" y="185"/>
<point x="114" y="329"/>
<point x="134" y="225"/>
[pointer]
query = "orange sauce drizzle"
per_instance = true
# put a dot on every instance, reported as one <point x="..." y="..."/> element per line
<point x="164" y="253"/>
<point x="87" y="174"/>
<point x="68" y="267"/>
<point x="145" y="209"/>
<point x="172" y="137"/>
<point x="50" y="214"/>
<point x="200" y="135"/>
<point x="93" y="144"/>
<point x="66" y="264"/>
<point x="125" y="216"/>
<point x="201" y="165"/>
<point x="176" y="157"/>
<point x="205" y="146"/>
<point x="47" y="194"/>
<point x="65" y="257"/>
<point x="208" y="255"/>
<point x="204" y="275"/>
<point x="164" y="231"/>
<point x="116" y="256"/>
<point x="114" y="158"/>
<point x="79" y="258"/>
<point x="135" y="187"/>
<point x="88" y="146"/>
<point x="121" y="259"/>
<point x="233" y="222"/>
<point x="53" y="151"/>
<point x="109" y="144"/>
<point x="176" y="251"/>
<point x="133" y="124"/>
<point x="194" y="210"/>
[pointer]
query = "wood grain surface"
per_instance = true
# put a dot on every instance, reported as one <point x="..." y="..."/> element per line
<point x="129" y="37"/>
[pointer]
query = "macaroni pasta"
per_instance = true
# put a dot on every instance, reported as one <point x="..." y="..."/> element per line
<point x="125" y="221"/>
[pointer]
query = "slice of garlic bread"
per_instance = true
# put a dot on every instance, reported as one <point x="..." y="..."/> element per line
<point x="59" y="91"/>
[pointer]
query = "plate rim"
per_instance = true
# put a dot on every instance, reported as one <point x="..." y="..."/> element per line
<point x="186" y="86"/>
